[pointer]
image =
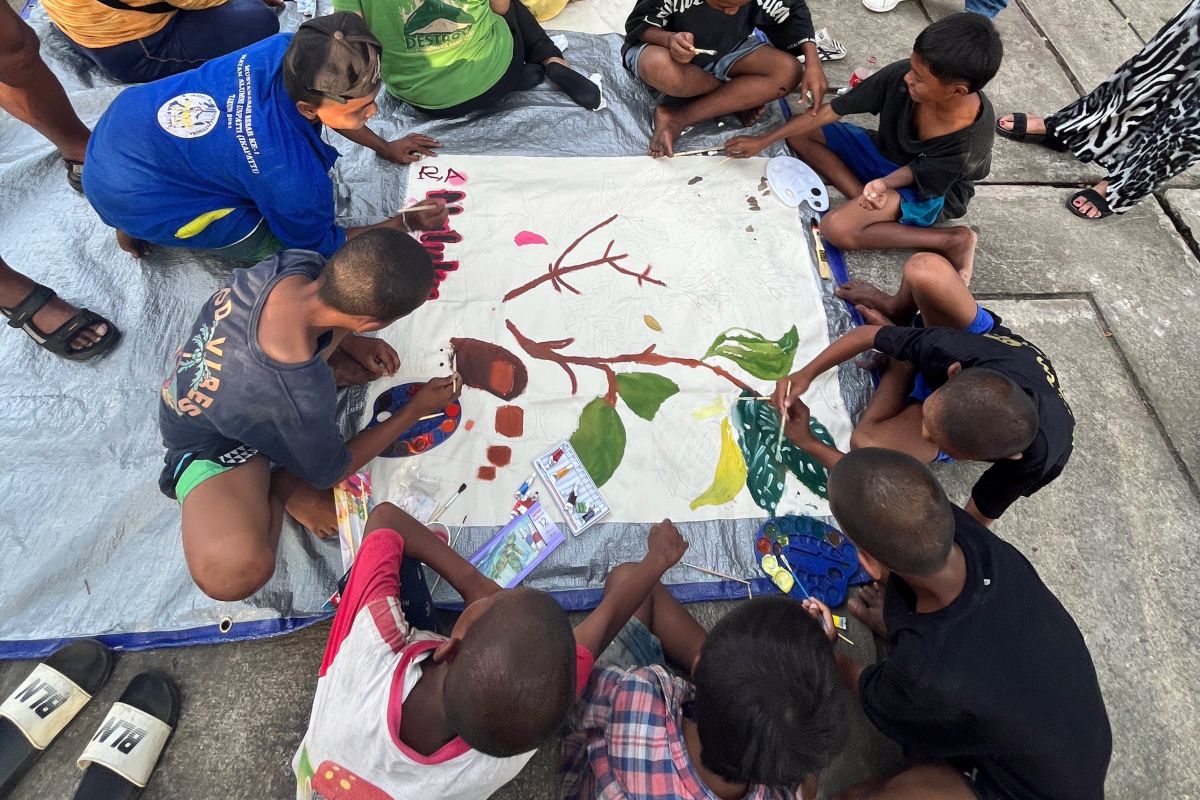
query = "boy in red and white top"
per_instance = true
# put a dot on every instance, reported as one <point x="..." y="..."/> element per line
<point x="401" y="712"/>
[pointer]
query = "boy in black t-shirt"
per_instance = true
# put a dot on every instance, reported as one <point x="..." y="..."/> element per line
<point x="987" y="682"/>
<point x="961" y="387"/>
<point x="703" y="56"/>
<point x="934" y="140"/>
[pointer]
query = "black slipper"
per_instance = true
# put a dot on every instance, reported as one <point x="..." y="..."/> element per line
<point x="45" y="702"/>
<point x="578" y="87"/>
<point x="1093" y="197"/>
<point x="1020" y="133"/>
<point x="74" y="174"/>
<point x="120" y="758"/>
<point x="59" y="341"/>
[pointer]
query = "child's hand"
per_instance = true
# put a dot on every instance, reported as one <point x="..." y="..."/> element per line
<point x="683" y="47"/>
<point x="408" y="149"/>
<point x="435" y="395"/>
<point x="664" y="545"/>
<point x="796" y="424"/>
<point x="430" y="219"/>
<point x="821" y="613"/>
<point x="788" y="390"/>
<point x="874" y="195"/>
<point x="813" y="84"/>
<point x="375" y="355"/>
<point x="744" y="146"/>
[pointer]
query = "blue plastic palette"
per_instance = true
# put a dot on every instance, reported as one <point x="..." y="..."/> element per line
<point x="826" y="570"/>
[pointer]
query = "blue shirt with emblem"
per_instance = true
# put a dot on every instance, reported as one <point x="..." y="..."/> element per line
<point x="200" y="159"/>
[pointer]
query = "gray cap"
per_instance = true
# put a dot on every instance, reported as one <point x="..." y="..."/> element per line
<point x="336" y="57"/>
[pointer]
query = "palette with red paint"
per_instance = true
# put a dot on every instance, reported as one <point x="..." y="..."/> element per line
<point x="421" y="437"/>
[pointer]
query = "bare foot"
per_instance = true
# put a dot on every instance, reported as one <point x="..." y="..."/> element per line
<point x="1033" y="124"/>
<point x="313" y="509"/>
<point x="873" y="317"/>
<point x="867" y="607"/>
<point x="1089" y="210"/>
<point x="861" y="293"/>
<point x="667" y="128"/>
<point x="751" y="116"/>
<point x="961" y="252"/>
<point x="135" y="247"/>
<point x="347" y="371"/>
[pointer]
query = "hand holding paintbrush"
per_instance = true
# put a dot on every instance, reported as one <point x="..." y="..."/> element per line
<point x="429" y="215"/>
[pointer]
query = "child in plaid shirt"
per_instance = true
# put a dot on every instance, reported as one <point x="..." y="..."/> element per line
<point x="761" y="715"/>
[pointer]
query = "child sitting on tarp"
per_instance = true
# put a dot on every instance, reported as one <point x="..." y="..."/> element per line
<point x="761" y="715"/>
<point x="934" y="141"/>
<point x="407" y="713"/>
<point x="229" y="157"/>
<point x="960" y="386"/>
<point x="704" y="58"/>
<point x="987" y="683"/>
<point x="249" y="407"/>
<point x="449" y="58"/>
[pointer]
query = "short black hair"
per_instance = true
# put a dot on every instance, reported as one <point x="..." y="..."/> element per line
<point x="768" y="706"/>
<point x="382" y="273"/>
<point x="984" y="415"/>
<point x="893" y="509"/>
<point x="962" y="47"/>
<point x="512" y="682"/>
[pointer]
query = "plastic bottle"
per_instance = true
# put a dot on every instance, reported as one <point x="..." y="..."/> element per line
<point x="860" y="74"/>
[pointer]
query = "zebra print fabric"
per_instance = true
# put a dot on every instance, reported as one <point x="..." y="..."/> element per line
<point x="1143" y="123"/>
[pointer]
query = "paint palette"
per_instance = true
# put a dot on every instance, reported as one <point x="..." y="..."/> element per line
<point x="571" y="487"/>
<point x="520" y="546"/>
<point x="795" y="182"/>
<point x="426" y="434"/>
<point x="815" y="555"/>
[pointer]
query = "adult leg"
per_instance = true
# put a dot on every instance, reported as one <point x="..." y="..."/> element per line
<point x="536" y="47"/>
<point x="761" y="76"/>
<point x="15" y="287"/>
<point x="930" y="285"/>
<point x="231" y="526"/>
<point x="920" y="782"/>
<point x="812" y="150"/>
<point x="30" y="92"/>
<point x="852" y="227"/>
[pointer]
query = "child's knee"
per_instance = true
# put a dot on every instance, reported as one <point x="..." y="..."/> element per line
<point x="841" y="230"/>
<point x="656" y="67"/>
<point x="863" y="436"/>
<point x="925" y="270"/>
<point x="234" y="578"/>
<point x="789" y="75"/>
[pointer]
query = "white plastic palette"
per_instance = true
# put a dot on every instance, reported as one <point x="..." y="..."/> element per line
<point x="794" y="182"/>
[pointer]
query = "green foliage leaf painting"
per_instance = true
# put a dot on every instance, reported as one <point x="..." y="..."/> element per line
<point x="807" y="469"/>
<point x="761" y="357"/>
<point x="730" y="474"/>
<point x="644" y="392"/>
<point x="599" y="440"/>
<point x="757" y="423"/>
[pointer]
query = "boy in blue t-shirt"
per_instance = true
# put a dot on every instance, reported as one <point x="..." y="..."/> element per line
<point x="229" y="157"/>
<point x="936" y="129"/>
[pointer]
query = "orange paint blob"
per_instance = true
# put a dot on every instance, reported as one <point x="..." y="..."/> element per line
<point x="510" y="421"/>
<point x="486" y="474"/>
<point x="469" y="424"/>
<point x="499" y="455"/>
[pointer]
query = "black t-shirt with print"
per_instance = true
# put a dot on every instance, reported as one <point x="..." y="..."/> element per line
<point x="1000" y="680"/>
<point x="944" y="166"/>
<point x="787" y="23"/>
<point x="933" y="350"/>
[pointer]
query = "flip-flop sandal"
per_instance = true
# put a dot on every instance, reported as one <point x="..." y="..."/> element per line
<point x="59" y="340"/>
<point x="1020" y="133"/>
<point x="119" y="759"/>
<point x="45" y="702"/>
<point x="1093" y="197"/>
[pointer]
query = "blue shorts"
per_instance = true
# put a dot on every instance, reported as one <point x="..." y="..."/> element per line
<point x="854" y="147"/>
<point x="718" y="69"/>
<point x="983" y="323"/>
<point x="634" y="646"/>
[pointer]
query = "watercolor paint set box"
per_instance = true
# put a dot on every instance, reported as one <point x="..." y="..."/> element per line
<point x="519" y="547"/>
<point x="572" y="489"/>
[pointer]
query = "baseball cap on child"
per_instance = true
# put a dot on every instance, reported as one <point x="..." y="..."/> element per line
<point x="336" y="57"/>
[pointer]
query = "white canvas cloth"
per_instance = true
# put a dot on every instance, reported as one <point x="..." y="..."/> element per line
<point x="723" y="264"/>
<point x="592" y="16"/>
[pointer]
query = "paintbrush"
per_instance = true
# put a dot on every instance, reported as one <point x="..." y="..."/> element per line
<point x="449" y="501"/>
<point x="783" y="423"/>
<point x="453" y="543"/>
<point x="702" y="52"/>
<point x="714" y="573"/>
<point x="708" y="151"/>
<point x="418" y="207"/>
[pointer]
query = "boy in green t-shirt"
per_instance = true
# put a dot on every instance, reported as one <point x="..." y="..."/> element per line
<point x="450" y="57"/>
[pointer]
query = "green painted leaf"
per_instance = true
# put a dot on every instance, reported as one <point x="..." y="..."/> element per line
<point x="757" y="425"/>
<point x="761" y="357"/>
<point x="730" y="474"/>
<point x="599" y="440"/>
<point x="644" y="392"/>
<point x="807" y="469"/>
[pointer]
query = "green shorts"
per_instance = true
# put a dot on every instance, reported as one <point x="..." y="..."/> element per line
<point x="195" y="474"/>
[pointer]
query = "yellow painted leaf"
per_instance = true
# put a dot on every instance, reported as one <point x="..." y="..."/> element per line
<point x="731" y="472"/>
<point x="651" y="323"/>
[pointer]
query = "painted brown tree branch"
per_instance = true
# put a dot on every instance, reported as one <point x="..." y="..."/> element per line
<point x="550" y="351"/>
<point x="556" y="271"/>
